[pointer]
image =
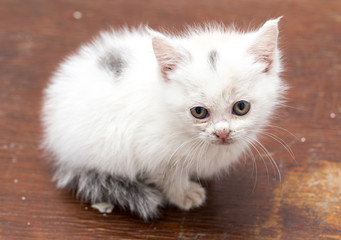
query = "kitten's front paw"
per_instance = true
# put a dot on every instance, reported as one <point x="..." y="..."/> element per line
<point x="193" y="196"/>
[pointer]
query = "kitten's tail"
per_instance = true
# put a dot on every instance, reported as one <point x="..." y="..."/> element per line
<point x="140" y="198"/>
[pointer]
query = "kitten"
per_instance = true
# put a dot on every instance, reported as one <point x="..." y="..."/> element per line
<point x="136" y="116"/>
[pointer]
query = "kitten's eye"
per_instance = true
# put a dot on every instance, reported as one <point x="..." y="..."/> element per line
<point x="199" y="112"/>
<point x="241" y="108"/>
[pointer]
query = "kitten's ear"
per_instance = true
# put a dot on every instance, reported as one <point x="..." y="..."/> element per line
<point x="166" y="54"/>
<point x="264" y="47"/>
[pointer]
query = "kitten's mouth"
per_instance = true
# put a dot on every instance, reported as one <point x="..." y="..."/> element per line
<point x="224" y="142"/>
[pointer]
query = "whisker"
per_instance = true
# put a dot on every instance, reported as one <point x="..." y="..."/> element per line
<point x="292" y="107"/>
<point x="203" y="157"/>
<point x="189" y="156"/>
<point x="179" y="147"/>
<point x="254" y="168"/>
<point x="279" y="140"/>
<point x="250" y="141"/>
<point x="177" y="134"/>
<point x="176" y="164"/>
<point x="284" y="130"/>
<point x="284" y="144"/>
<point x="270" y="158"/>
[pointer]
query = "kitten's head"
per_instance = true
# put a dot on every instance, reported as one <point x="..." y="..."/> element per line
<point x="221" y="85"/>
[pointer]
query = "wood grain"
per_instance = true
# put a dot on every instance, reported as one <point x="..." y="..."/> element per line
<point x="35" y="35"/>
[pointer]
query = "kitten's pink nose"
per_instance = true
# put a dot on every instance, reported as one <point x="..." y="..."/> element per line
<point x="222" y="134"/>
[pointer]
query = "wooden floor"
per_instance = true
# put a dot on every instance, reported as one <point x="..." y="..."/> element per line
<point x="35" y="35"/>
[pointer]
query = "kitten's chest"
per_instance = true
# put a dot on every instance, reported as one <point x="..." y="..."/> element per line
<point x="208" y="160"/>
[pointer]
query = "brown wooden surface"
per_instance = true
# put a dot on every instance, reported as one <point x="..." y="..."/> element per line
<point x="36" y="34"/>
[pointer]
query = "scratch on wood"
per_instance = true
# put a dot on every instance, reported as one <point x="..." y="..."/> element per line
<point x="320" y="191"/>
<point x="181" y="231"/>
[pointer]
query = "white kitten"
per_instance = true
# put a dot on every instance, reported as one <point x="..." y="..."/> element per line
<point x="134" y="117"/>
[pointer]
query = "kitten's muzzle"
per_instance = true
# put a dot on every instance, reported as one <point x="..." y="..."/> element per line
<point x="223" y="135"/>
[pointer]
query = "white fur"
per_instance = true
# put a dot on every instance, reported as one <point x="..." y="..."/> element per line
<point x="140" y="122"/>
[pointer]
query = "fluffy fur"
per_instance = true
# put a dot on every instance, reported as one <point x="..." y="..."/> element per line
<point x="122" y="108"/>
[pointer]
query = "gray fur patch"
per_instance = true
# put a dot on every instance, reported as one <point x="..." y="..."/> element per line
<point x="113" y="62"/>
<point x="212" y="59"/>
<point x="140" y="198"/>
